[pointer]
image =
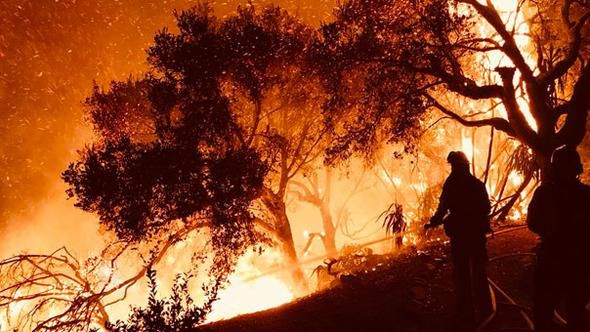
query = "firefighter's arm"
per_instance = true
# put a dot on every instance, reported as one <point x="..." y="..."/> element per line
<point x="441" y="211"/>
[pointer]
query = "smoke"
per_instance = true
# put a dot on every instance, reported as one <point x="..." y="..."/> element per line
<point x="51" y="51"/>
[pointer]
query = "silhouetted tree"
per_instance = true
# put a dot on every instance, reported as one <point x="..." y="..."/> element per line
<point x="233" y="91"/>
<point x="170" y="157"/>
<point x="190" y="170"/>
<point x="386" y="62"/>
<point x="312" y="192"/>
<point x="278" y="104"/>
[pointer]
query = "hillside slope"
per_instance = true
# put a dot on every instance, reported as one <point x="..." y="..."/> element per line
<point x="411" y="292"/>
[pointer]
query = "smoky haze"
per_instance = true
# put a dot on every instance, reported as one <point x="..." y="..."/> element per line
<point x="51" y="51"/>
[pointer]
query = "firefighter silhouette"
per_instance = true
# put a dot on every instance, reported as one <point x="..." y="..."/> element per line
<point x="559" y="213"/>
<point x="463" y="211"/>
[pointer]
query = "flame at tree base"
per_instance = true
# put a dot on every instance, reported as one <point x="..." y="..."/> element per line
<point x="245" y="295"/>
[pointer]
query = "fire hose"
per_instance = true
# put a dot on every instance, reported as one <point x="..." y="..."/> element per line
<point x="494" y="287"/>
<point x="363" y="245"/>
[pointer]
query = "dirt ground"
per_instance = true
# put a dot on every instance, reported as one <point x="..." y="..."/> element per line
<point x="412" y="292"/>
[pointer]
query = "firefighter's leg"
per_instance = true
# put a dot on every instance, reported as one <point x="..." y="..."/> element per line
<point x="546" y="296"/>
<point x="480" y="283"/>
<point x="576" y="299"/>
<point x="463" y="286"/>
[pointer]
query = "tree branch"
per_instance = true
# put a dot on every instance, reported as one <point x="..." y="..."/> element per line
<point x="516" y="118"/>
<point x="307" y="195"/>
<point x="455" y="82"/>
<point x="467" y="87"/>
<point x="510" y="48"/>
<point x="574" y="129"/>
<point x="573" y="51"/>
<point x="498" y="123"/>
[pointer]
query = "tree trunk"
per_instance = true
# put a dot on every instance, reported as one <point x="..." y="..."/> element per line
<point x="288" y="246"/>
<point x="329" y="231"/>
<point x="277" y="208"/>
<point x="505" y="210"/>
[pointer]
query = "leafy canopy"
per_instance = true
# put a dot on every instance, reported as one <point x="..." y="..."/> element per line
<point x="169" y="147"/>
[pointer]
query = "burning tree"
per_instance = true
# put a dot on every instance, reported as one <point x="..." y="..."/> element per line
<point x="278" y="102"/>
<point x="169" y="161"/>
<point x="231" y="112"/>
<point x="258" y="65"/>
<point x="221" y="121"/>
<point x="388" y="63"/>
<point x="309" y="190"/>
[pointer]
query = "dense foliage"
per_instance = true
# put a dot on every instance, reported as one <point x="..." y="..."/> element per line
<point x="176" y="313"/>
<point x="228" y="114"/>
<point x="190" y="145"/>
<point x="169" y="147"/>
<point x="373" y="58"/>
<point x="388" y="62"/>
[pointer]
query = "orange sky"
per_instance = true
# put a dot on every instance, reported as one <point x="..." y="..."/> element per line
<point x="50" y="53"/>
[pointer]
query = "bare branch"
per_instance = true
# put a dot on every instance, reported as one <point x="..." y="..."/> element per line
<point x="570" y="58"/>
<point x="510" y="48"/>
<point x="255" y="120"/>
<point x="498" y="123"/>
<point x="565" y="13"/>
<point x="58" y="280"/>
<point x="516" y="118"/>
<point x="307" y="195"/>
<point x="574" y="129"/>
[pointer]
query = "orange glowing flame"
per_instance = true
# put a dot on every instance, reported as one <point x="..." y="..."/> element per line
<point x="244" y="296"/>
<point x="496" y="58"/>
<point x="247" y="297"/>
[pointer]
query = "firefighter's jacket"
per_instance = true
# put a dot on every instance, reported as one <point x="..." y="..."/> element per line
<point x="560" y="215"/>
<point x="464" y="207"/>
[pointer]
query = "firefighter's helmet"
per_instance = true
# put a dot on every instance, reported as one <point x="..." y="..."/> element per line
<point x="457" y="158"/>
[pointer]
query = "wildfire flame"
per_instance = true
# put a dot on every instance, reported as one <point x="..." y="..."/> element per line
<point x="245" y="294"/>
<point x="243" y="297"/>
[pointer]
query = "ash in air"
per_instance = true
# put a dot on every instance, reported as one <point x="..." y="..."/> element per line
<point x="167" y="166"/>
